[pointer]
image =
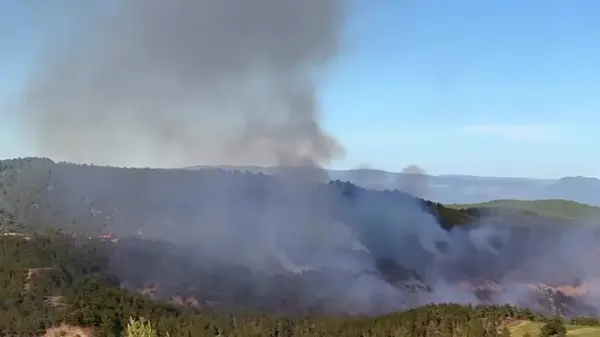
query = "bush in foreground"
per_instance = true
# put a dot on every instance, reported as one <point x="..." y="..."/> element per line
<point x="554" y="328"/>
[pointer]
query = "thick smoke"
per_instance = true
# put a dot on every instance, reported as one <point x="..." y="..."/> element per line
<point x="196" y="82"/>
<point x="185" y="82"/>
<point x="324" y="244"/>
<point x="331" y="244"/>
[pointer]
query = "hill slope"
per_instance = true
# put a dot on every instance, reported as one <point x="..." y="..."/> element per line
<point x="550" y="207"/>
<point x="218" y="240"/>
<point x="77" y="289"/>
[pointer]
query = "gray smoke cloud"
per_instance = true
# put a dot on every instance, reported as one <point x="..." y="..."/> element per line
<point x="184" y="82"/>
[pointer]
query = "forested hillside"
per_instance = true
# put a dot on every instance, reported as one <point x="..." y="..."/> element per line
<point x="260" y="255"/>
<point x="52" y="280"/>
<point x="37" y="190"/>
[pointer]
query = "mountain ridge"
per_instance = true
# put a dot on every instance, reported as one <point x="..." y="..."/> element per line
<point x="462" y="189"/>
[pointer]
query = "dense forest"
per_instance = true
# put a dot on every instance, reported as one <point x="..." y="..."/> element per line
<point x="192" y="252"/>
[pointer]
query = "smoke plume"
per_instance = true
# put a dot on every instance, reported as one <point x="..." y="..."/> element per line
<point x="413" y="180"/>
<point x="185" y="82"/>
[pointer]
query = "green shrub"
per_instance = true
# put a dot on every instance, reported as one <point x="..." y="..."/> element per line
<point x="140" y="328"/>
<point x="554" y="328"/>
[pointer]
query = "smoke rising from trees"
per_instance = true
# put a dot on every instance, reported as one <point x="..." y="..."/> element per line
<point x="185" y="82"/>
<point x="413" y="180"/>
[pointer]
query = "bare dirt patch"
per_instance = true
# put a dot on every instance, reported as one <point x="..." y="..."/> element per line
<point x="68" y="331"/>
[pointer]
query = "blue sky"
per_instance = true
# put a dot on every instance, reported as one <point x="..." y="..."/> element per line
<point x="502" y="87"/>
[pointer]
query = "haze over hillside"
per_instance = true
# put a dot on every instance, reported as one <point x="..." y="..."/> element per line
<point x="463" y="189"/>
<point x="547" y="207"/>
<point x="333" y="242"/>
<point x="450" y="189"/>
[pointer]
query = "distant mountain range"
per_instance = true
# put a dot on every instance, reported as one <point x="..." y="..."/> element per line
<point x="462" y="189"/>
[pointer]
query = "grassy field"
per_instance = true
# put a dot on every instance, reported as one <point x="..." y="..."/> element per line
<point x="551" y="207"/>
<point x="533" y="328"/>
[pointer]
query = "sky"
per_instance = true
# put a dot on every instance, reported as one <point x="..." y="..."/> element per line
<point x="491" y="88"/>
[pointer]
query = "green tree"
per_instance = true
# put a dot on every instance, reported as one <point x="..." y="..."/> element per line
<point x="554" y="328"/>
